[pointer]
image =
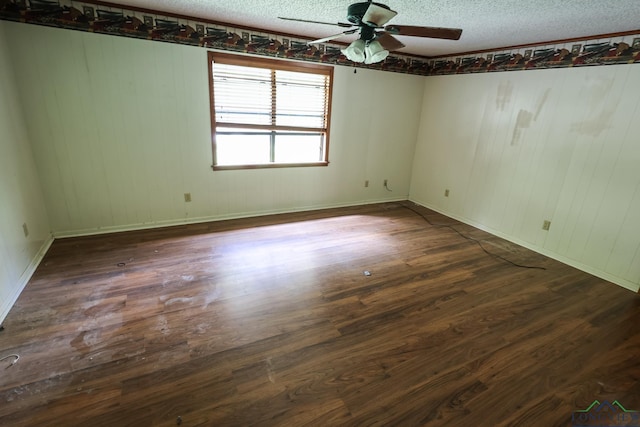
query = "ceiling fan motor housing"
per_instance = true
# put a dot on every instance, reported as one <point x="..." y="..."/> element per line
<point x="356" y="11"/>
<point x="376" y="39"/>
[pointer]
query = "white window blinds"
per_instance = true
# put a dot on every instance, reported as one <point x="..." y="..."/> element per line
<point x="269" y="99"/>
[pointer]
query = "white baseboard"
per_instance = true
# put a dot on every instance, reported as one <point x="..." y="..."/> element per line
<point x="627" y="284"/>
<point x="198" y="220"/>
<point x="24" y="278"/>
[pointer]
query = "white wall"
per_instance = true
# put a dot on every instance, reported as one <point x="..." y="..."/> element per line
<point x="21" y="200"/>
<point x="515" y="149"/>
<point x="120" y="130"/>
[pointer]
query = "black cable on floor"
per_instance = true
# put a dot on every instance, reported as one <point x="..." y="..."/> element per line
<point x="478" y="242"/>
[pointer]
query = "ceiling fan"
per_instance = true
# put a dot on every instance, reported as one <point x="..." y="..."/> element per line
<point x="376" y="39"/>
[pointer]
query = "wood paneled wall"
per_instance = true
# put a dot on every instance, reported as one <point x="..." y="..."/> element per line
<point x="120" y="130"/>
<point x="515" y="149"/>
<point x="21" y="200"/>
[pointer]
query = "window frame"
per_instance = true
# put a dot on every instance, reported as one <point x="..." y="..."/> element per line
<point x="272" y="64"/>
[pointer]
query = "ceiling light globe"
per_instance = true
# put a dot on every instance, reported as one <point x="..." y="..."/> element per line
<point x="375" y="52"/>
<point x="355" y="51"/>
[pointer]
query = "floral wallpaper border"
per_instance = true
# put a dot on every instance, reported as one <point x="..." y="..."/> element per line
<point x="98" y="18"/>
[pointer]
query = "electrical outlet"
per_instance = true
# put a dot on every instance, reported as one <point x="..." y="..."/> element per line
<point x="25" y="229"/>
<point x="187" y="197"/>
<point x="446" y="193"/>
<point x="366" y="183"/>
<point x="546" y="224"/>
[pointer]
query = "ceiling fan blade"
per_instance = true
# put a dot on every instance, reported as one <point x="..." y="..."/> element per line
<point x="377" y="15"/>
<point x="333" y="37"/>
<point x="389" y="42"/>
<point x="339" y="24"/>
<point x="432" y="32"/>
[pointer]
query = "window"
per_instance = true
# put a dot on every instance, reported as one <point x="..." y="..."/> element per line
<point x="268" y="113"/>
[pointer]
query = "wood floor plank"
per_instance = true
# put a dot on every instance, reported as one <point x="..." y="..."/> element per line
<point x="273" y="321"/>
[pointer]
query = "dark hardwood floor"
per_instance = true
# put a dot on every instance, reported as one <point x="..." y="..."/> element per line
<point x="272" y="321"/>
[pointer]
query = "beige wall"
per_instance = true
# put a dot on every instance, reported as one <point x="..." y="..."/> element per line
<point x="515" y="149"/>
<point x="21" y="200"/>
<point x="120" y="130"/>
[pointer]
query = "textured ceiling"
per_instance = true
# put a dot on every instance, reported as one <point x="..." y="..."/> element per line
<point x="486" y="24"/>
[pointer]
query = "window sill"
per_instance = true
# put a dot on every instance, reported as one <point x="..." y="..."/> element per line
<point x="268" y="166"/>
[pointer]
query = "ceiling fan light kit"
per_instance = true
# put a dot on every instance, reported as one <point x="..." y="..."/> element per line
<point x="367" y="52"/>
<point x="376" y="40"/>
